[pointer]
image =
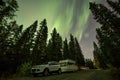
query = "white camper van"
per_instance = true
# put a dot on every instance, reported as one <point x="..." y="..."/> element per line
<point x="68" y="65"/>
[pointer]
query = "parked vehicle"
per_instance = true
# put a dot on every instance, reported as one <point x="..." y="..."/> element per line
<point x="46" y="69"/>
<point x="68" y="65"/>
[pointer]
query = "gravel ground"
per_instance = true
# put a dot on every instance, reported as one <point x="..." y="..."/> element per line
<point x="80" y="75"/>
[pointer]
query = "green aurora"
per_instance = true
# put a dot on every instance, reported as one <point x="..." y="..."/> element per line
<point x="67" y="16"/>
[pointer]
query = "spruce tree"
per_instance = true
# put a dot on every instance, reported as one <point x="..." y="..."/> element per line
<point x="72" y="47"/>
<point x="59" y="47"/>
<point x="7" y="12"/>
<point x="24" y="44"/>
<point x="39" y="50"/>
<point x="79" y="58"/>
<point x="108" y="34"/>
<point x="66" y="50"/>
<point x="99" y="60"/>
<point x="49" y="50"/>
<point x="55" y="46"/>
<point x="96" y="52"/>
<point x="8" y="57"/>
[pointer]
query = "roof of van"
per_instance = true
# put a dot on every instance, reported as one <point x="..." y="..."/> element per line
<point x="67" y="60"/>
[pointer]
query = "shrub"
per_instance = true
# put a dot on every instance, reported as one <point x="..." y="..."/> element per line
<point x="24" y="69"/>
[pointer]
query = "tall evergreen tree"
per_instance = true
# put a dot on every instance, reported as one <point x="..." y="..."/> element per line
<point x="7" y="12"/>
<point x="108" y="34"/>
<point x="99" y="60"/>
<point x="96" y="52"/>
<point x="72" y="47"/>
<point x="79" y="56"/>
<point x="13" y="37"/>
<point x="66" y="50"/>
<point x="49" y="50"/>
<point x="55" y="46"/>
<point x="59" y="47"/>
<point x="8" y="51"/>
<point x="24" y="44"/>
<point x="39" y="50"/>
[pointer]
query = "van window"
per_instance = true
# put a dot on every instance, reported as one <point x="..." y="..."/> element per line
<point x="63" y="64"/>
<point x="69" y="63"/>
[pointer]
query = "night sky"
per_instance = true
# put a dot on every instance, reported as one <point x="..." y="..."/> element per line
<point x="67" y="16"/>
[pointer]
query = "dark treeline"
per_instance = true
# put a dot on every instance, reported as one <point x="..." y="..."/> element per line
<point x="89" y="64"/>
<point x="107" y="50"/>
<point x="20" y="48"/>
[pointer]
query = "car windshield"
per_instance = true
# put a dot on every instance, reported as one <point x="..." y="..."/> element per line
<point x="53" y="63"/>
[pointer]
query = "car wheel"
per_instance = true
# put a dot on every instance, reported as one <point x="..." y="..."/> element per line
<point x="59" y="71"/>
<point x="46" y="72"/>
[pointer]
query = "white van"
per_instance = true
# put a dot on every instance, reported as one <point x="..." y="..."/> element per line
<point x="68" y="65"/>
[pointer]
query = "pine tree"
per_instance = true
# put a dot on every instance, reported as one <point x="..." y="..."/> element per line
<point x="99" y="60"/>
<point x="79" y="58"/>
<point x="8" y="57"/>
<point x="49" y="50"/>
<point x="55" y="46"/>
<point x="24" y="44"/>
<point x="59" y="47"/>
<point x="75" y="51"/>
<point x="96" y="52"/>
<point x="39" y="50"/>
<point x="108" y="34"/>
<point x="72" y="47"/>
<point x="66" y="50"/>
<point x="7" y="12"/>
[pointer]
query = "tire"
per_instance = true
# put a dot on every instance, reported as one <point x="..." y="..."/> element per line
<point x="59" y="71"/>
<point x="46" y="72"/>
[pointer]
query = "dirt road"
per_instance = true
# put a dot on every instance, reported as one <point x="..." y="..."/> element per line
<point x="80" y="75"/>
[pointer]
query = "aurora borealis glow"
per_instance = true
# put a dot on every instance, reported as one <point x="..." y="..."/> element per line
<point x="68" y="16"/>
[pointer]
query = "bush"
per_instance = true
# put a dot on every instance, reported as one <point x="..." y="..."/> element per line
<point x="24" y="69"/>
